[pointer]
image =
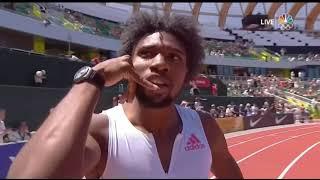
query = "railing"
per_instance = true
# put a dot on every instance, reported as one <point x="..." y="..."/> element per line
<point x="276" y="96"/>
<point x="58" y="16"/>
<point x="46" y="55"/>
<point x="230" y="78"/>
<point x="309" y="101"/>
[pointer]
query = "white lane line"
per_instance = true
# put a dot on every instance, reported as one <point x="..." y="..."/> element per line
<point x="260" y="150"/>
<point x="265" y="130"/>
<point x="284" y="172"/>
<point x="268" y="135"/>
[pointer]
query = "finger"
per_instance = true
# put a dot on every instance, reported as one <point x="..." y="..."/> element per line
<point x="124" y="57"/>
<point x="131" y="90"/>
<point x="143" y="82"/>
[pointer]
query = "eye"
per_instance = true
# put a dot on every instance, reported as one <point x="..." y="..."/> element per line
<point x="146" y="54"/>
<point x="174" y="58"/>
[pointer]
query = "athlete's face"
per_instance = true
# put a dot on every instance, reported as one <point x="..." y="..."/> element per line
<point x="161" y="59"/>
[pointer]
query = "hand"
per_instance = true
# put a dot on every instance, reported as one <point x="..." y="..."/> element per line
<point x="117" y="69"/>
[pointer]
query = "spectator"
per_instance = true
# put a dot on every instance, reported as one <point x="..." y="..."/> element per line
<point x="247" y="110"/>
<point x="6" y="138"/>
<point x="44" y="15"/>
<point x="305" y="115"/>
<point x="213" y="111"/>
<point x="235" y="110"/>
<point x="114" y="101"/>
<point x="2" y="121"/>
<point x="197" y="104"/>
<point x="21" y="134"/>
<point x="254" y="110"/>
<point x="242" y="110"/>
<point x="265" y="107"/>
<point x="39" y="77"/>
<point x="222" y="112"/>
<point x="194" y="91"/>
<point x="214" y="90"/>
<point x="229" y="111"/>
<point x="121" y="99"/>
<point x="301" y="75"/>
<point x="282" y="51"/>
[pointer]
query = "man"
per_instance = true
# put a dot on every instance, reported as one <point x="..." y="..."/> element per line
<point x="121" y="99"/>
<point x="39" y="77"/>
<point x="254" y="110"/>
<point x="197" y="104"/>
<point x="214" y="90"/>
<point x="229" y="111"/>
<point x="115" y="101"/>
<point x="21" y="134"/>
<point x="146" y="137"/>
<point x="6" y="138"/>
<point x="213" y="111"/>
<point x="2" y="121"/>
<point x="194" y="91"/>
<point x="248" y="110"/>
<point x="242" y="113"/>
<point x="3" y="129"/>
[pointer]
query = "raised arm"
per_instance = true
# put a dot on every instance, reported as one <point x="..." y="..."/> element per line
<point x="58" y="147"/>
<point x="223" y="164"/>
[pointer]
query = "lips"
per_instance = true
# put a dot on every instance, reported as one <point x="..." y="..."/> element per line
<point x="158" y="80"/>
<point x="161" y="82"/>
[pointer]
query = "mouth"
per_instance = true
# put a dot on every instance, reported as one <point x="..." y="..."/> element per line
<point x="158" y="80"/>
<point x="161" y="82"/>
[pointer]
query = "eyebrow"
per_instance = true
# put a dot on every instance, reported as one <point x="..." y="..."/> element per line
<point x="152" y="46"/>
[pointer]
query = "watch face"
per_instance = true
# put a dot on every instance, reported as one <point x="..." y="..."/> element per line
<point x="81" y="74"/>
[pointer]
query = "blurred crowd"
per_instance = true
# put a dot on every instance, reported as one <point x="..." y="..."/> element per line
<point x="239" y="47"/>
<point x="50" y="13"/>
<point x="246" y="110"/>
<point x="55" y="13"/>
<point x="8" y="134"/>
<point x="257" y="85"/>
<point x="314" y="57"/>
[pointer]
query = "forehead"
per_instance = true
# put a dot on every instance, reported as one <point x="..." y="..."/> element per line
<point x="163" y="39"/>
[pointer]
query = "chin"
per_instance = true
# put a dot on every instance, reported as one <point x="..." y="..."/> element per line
<point x="150" y="104"/>
<point x="152" y="100"/>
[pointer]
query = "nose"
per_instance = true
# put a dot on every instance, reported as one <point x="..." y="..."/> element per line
<point x="159" y="64"/>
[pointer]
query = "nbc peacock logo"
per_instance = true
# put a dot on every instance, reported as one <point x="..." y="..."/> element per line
<point x="285" y="22"/>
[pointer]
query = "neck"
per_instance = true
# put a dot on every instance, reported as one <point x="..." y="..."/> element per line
<point x="152" y="120"/>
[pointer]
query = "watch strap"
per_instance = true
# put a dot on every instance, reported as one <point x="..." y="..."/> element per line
<point x="96" y="79"/>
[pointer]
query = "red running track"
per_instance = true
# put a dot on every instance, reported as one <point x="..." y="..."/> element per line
<point x="291" y="152"/>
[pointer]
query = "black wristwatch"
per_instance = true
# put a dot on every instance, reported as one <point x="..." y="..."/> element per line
<point x="87" y="74"/>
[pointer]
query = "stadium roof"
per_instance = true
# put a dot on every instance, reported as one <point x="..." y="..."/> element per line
<point x="229" y="14"/>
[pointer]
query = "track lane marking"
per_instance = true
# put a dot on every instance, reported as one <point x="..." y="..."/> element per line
<point x="242" y="142"/>
<point x="267" y="147"/>
<point x="285" y="171"/>
<point x="266" y="130"/>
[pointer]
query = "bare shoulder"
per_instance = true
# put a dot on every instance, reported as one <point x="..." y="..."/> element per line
<point x="208" y="122"/>
<point x="213" y="132"/>
<point x="99" y="126"/>
<point x="223" y="164"/>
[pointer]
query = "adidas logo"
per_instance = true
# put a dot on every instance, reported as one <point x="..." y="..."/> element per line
<point x="194" y="143"/>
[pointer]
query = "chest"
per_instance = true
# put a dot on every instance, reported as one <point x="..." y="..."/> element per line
<point x="186" y="155"/>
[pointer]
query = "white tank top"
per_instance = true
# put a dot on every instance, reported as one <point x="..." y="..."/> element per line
<point x="133" y="154"/>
